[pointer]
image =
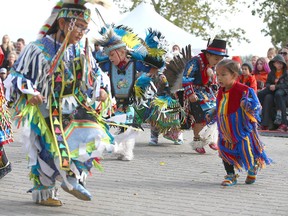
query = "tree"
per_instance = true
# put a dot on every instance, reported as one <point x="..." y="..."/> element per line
<point x="274" y="13"/>
<point x="195" y="16"/>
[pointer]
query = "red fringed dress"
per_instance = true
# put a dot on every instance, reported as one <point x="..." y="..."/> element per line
<point x="239" y="142"/>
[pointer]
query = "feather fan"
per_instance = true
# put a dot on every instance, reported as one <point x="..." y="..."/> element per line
<point x="175" y="68"/>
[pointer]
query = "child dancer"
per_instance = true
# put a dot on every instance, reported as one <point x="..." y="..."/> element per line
<point x="237" y="114"/>
<point x="199" y="88"/>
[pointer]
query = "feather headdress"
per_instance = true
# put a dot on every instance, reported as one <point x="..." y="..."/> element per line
<point x="69" y="9"/>
<point x="115" y="37"/>
<point x="157" y="48"/>
<point x="151" y="50"/>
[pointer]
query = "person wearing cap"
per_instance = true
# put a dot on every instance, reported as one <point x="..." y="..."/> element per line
<point x="199" y="85"/>
<point x="48" y="85"/>
<point x="247" y="77"/>
<point x="3" y="74"/>
<point x="6" y="135"/>
<point x="273" y="96"/>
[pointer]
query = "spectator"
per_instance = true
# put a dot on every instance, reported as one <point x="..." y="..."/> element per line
<point x="247" y="78"/>
<point x="284" y="53"/>
<point x="254" y="60"/>
<point x="3" y="74"/>
<point x="175" y="50"/>
<point x="274" y="95"/>
<point x="261" y="71"/>
<point x="271" y="53"/>
<point x="20" y="44"/>
<point x="7" y="47"/>
<point x="239" y="61"/>
<point x="12" y="57"/>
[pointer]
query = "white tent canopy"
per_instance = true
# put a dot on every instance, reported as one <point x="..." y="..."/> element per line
<point x="144" y="16"/>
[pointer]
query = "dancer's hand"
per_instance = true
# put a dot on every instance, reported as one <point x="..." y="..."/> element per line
<point x="193" y="98"/>
<point x="103" y="95"/>
<point x="36" y="100"/>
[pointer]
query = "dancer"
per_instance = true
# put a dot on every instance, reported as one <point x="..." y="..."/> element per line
<point x="48" y="84"/>
<point x="132" y="70"/>
<point x="237" y="113"/>
<point x="199" y="88"/>
<point x="123" y="71"/>
<point x="6" y="135"/>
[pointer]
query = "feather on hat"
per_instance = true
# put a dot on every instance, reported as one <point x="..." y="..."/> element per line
<point x="69" y="9"/>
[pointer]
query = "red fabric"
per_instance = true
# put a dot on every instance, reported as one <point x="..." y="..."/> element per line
<point x="216" y="49"/>
<point x="261" y="76"/>
<point x="236" y="94"/>
<point x="1" y="56"/>
<point x="205" y="77"/>
<point x="249" y="81"/>
<point x="188" y="89"/>
<point x="237" y="59"/>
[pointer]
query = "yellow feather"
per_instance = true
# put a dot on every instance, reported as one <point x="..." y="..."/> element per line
<point x="131" y="40"/>
<point x="156" y="52"/>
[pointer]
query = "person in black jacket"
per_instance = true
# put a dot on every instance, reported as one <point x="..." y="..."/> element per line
<point x="273" y="96"/>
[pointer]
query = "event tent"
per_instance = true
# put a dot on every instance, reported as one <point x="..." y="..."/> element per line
<point x="144" y="16"/>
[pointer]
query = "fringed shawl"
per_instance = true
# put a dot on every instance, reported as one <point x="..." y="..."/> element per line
<point x="234" y="121"/>
<point x="30" y="73"/>
<point x="239" y="142"/>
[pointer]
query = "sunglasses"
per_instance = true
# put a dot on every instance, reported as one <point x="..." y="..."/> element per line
<point x="283" y="53"/>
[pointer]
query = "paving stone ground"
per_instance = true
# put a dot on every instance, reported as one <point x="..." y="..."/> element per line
<point x="161" y="180"/>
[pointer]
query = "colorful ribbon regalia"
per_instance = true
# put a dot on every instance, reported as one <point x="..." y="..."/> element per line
<point x="6" y="135"/>
<point x="66" y="136"/>
<point x="239" y="142"/>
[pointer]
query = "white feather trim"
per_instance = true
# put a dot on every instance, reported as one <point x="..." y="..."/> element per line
<point x="209" y="134"/>
<point x="197" y="144"/>
<point x="39" y="195"/>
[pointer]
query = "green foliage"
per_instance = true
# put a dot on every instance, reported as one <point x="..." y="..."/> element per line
<point x="195" y="16"/>
<point x="274" y="14"/>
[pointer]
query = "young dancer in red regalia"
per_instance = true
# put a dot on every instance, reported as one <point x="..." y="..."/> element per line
<point x="237" y="113"/>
